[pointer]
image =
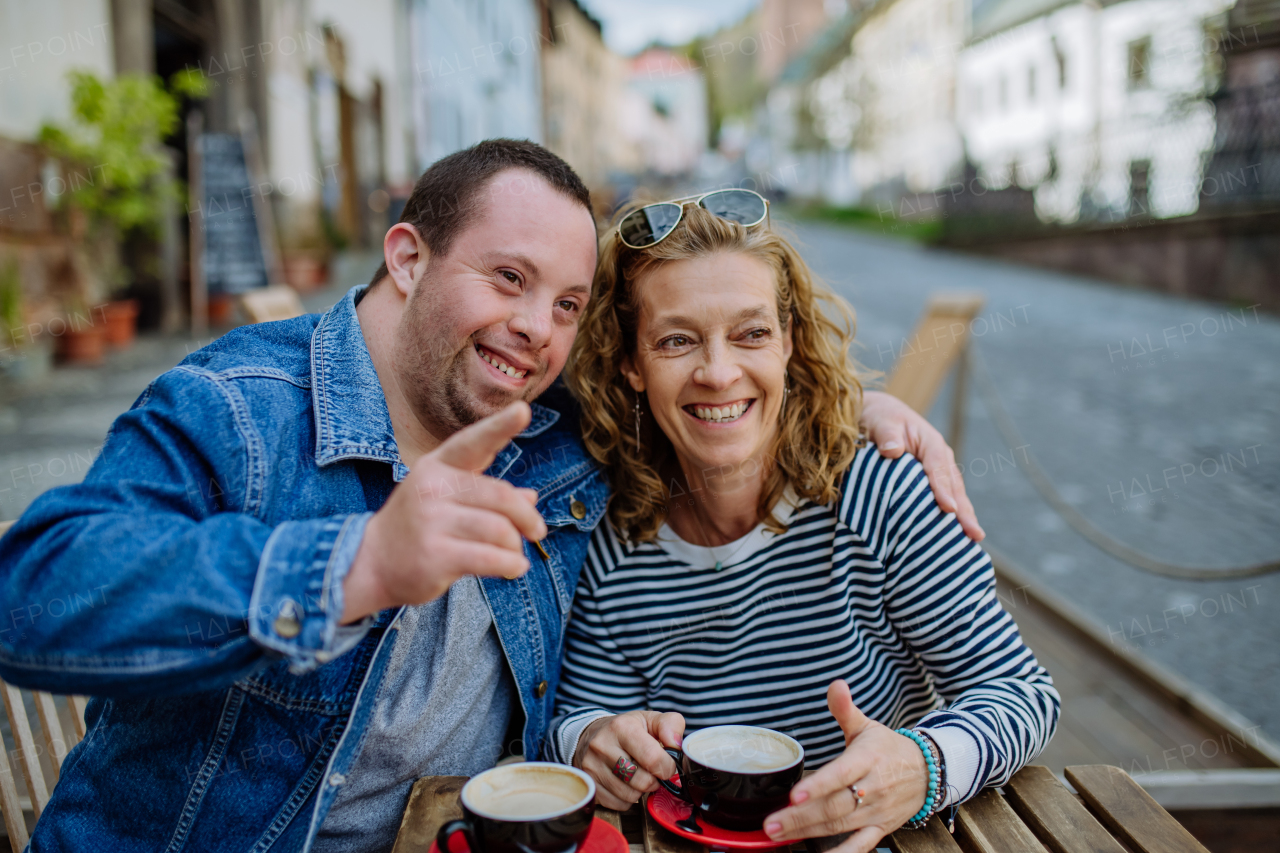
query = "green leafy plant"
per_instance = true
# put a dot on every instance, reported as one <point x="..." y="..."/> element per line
<point x="11" y="315"/>
<point x="112" y="149"/>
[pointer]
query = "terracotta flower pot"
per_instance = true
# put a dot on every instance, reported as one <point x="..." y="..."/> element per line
<point x="121" y="322"/>
<point x="304" y="273"/>
<point x="222" y="307"/>
<point x="83" y="345"/>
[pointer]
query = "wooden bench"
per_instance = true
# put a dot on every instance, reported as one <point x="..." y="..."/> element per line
<point x="1035" y="812"/>
<point x="53" y="742"/>
<point x="277" y="302"/>
<point x="939" y="344"/>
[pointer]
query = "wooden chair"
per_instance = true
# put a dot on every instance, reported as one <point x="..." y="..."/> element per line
<point x="940" y="342"/>
<point x="53" y="742"/>
<point x="277" y="302"/>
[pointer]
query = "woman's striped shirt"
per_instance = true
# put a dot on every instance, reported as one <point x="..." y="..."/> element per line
<point x="881" y="589"/>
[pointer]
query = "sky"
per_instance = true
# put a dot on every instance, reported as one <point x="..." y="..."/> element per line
<point x="630" y="25"/>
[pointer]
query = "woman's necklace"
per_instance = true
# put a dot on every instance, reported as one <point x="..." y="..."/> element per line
<point x="743" y="542"/>
<point x="719" y="561"/>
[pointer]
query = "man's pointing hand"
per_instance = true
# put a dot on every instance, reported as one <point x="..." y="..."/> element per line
<point x="445" y="520"/>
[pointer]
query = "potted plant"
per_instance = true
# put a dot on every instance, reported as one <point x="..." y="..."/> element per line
<point x="306" y="260"/>
<point x="119" y="183"/>
<point x="121" y="320"/>
<point x="81" y="336"/>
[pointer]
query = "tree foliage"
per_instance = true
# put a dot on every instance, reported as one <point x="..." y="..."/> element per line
<point x="112" y="148"/>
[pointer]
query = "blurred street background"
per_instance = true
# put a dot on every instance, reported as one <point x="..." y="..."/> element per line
<point x="1104" y="174"/>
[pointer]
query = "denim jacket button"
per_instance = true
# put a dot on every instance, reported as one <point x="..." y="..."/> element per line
<point x="287" y="624"/>
<point x="578" y="510"/>
<point x="337" y="779"/>
<point x="540" y="690"/>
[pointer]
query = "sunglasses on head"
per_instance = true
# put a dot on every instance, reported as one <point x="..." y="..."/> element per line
<point x="653" y="223"/>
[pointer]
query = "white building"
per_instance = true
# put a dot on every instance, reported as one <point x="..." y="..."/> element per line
<point x="890" y="103"/>
<point x="43" y="41"/>
<point x="475" y="73"/>
<point x="363" y="97"/>
<point x="335" y="72"/>
<point x="664" y="112"/>
<point x="1099" y="108"/>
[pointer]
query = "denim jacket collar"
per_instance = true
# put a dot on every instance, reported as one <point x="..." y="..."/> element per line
<point x="352" y="420"/>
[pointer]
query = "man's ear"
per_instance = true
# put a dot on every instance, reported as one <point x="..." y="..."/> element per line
<point x="628" y="368"/>
<point x="406" y="256"/>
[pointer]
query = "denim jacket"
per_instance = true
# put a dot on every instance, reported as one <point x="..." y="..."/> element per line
<point x="192" y="584"/>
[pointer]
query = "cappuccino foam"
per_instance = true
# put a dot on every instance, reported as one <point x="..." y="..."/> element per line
<point x="741" y="749"/>
<point x="520" y="793"/>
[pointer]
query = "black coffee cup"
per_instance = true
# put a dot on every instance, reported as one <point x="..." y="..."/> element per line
<point x="735" y="776"/>
<point x="528" y="807"/>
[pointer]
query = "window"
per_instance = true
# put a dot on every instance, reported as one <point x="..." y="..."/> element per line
<point x="1061" y="59"/>
<point x="1139" y="181"/>
<point x="1004" y="93"/>
<point x="1031" y="84"/>
<point x="1139" y="63"/>
<point x="1213" y="31"/>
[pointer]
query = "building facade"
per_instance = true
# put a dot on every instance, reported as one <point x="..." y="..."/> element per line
<point x="583" y="82"/>
<point x="898" y="91"/>
<point x="476" y="73"/>
<point x="1101" y="109"/>
<point x="664" y="112"/>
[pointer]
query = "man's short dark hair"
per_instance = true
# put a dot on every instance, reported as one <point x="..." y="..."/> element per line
<point x="446" y="198"/>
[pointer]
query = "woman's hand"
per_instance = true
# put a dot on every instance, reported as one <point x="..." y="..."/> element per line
<point x="636" y="738"/>
<point x="888" y="768"/>
<point x="896" y="428"/>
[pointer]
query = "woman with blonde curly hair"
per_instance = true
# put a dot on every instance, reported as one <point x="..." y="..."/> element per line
<point x="761" y="563"/>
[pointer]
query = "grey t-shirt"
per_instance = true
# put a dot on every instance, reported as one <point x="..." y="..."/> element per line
<point x="443" y="709"/>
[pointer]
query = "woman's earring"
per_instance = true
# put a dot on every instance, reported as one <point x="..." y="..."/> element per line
<point x="786" y="394"/>
<point x="637" y="420"/>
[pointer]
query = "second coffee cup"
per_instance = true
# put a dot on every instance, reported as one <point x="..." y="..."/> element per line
<point x="528" y="807"/>
<point x="735" y="776"/>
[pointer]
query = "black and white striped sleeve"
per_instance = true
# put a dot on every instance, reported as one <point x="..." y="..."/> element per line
<point x="596" y="679"/>
<point x="940" y="596"/>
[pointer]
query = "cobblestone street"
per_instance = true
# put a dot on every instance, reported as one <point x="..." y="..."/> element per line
<point x="1157" y="418"/>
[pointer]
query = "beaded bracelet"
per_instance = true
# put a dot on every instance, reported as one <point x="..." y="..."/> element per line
<point x="932" y="798"/>
<point x="950" y="820"/>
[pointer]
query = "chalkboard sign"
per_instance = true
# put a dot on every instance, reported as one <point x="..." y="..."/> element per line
<point x="233" y="258"/>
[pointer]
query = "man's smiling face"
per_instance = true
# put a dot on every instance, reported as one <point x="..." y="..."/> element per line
<point x="492" y="321"/>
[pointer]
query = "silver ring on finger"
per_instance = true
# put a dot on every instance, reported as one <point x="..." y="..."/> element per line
<point x="858" y="794"/>
<point x="624" y="768"/>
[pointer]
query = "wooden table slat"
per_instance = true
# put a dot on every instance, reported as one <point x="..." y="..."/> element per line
<point x="933" y="838"/>
<point x="1130" y="812"/>
<point x="987" y="824"/>
<point x="432" y="803"/>
<point x="1037" y="813"/>
<point x="1055" y="816"/>
<point x="658" y="839"/>
<point x="610" y="817"/>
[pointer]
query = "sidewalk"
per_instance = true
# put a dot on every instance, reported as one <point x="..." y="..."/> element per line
<point x="50" y="432"/>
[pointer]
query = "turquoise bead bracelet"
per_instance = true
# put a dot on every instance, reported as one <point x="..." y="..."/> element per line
<point x="932" y="797"/>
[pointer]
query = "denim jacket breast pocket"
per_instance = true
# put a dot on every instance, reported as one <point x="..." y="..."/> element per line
<point x="571" y="510"/>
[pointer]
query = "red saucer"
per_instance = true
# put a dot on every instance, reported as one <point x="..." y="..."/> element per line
<point x="666" y="809"/>
<point x="602" y="838"/>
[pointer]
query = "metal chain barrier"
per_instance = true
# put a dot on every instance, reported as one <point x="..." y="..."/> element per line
<point x="1082" y="525"/>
